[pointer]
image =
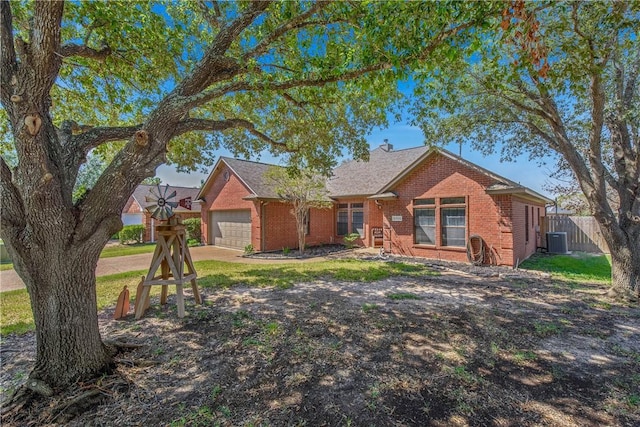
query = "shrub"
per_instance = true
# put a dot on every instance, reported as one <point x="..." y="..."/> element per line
<point x="131" y="233"/>
<point x="248" y="250"/>
<point x="193" y="229"/>
<point x="349" y="239"/>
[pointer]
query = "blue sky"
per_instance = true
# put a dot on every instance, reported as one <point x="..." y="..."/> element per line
<point x="523" y="170"/>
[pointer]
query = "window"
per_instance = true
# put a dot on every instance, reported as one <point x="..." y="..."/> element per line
<point x="454" y="226"/>
<point x="343" y="222"/>
<point x="422" y="202"/>
<point x="452" y="201"/>
<point x="450" y="212"/>
<point x="350" y="219"/>
<point x="357" y="222"/>
<point x="425" y="226"/>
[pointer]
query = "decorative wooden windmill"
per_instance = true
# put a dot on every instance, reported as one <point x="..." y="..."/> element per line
<point x="171" y="256"/>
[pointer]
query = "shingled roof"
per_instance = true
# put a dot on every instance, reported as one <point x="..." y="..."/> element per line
<point x="250" y="173"/>
<point x="361" y="178"/>
<point x="375" y="178"/>
<point x="385" y="168"/>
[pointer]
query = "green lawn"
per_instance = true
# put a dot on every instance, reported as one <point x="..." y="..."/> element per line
<point x="16" y="314"/>
<point x="111" y="251"/>
<point x="577" y="267"/>
<point x="124" y="250"/>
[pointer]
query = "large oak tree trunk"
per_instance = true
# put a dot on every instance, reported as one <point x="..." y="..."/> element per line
<point x="62" y="288"/>
<point x="623" y="239"/>
<point x="625" y="270"/>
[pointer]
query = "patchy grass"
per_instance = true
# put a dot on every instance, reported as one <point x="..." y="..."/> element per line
<point x="6" y="266"/>
<point x="343" y="353"/>
<point x="402" y="295"/>
<point x="577" y="267"/>
<point x="217" y="274"/>
<point x="17" y="316"/>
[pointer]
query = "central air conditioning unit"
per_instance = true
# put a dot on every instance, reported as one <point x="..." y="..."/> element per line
<point x="557" y="242"/>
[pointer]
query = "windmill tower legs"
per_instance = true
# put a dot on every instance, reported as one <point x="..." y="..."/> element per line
<point x="174" y="261"/>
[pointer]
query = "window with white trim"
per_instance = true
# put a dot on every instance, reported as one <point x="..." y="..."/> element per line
<point x="449" y="213"/>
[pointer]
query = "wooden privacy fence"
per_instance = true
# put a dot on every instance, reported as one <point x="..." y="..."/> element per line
<point x="583" y="232"/>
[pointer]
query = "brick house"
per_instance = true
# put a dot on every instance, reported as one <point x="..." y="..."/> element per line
<point x="136" y="212"/>
<point x="424" y="202"/>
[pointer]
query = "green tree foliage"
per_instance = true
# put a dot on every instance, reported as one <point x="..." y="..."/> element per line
<point x="192" y="226"/>
<point x="152" y="181"/>
<point x="560" y="78"/>
<point x="131" y="233"/>
<point x="157" y="82"/>
<point x="304" y="190"/>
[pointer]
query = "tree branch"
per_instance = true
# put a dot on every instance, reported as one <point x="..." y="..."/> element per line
<point x="206" y="96"/>
<point x="99" y="135"/>
<point x="192" y="125"/>
<point x="46" y="39"/>
<point x="215" y="66"/>
<point x="8" y="52"/>
<point x="295" y="23"/>
<point x="212" y="19"/>
<point x="84" y="51"/>
<point x="8" y="63"/>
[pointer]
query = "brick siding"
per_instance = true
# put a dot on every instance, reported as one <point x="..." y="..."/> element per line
<point x="489" y="216"/>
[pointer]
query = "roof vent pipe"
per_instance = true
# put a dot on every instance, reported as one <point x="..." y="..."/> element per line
<point x="386" y="146"/>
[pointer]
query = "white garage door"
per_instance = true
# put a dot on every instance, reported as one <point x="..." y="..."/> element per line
<point x="131" y="218"/>
<point x="231" y="229"/>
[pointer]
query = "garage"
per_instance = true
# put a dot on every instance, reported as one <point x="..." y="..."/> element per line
<point x="132" y="219"/>
<point x="231" y="229"/>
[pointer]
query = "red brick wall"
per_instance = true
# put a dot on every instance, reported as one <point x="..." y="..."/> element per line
<point x="441" y="177"/>
<point x="132" y="206"/>
<point x="227" y="195"/>
<point x="280" y="227"/>
<point x="523" y="248"/>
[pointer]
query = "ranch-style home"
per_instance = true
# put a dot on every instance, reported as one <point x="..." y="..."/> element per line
<point x="421" y="202"/>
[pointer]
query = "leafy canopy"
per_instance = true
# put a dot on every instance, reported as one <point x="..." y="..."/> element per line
<point x="295" y="92"/>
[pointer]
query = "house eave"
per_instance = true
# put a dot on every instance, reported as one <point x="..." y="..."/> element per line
<point x="389" y="195"/>
<point x="524" y="193"/>
<point x="255" y="198"/>
<point x="347" y="196"/>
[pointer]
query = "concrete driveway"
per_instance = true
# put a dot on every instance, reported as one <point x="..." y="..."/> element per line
<point x="9" y="279"/>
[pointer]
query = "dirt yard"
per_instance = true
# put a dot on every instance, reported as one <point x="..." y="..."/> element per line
<point x="455" y="349"/>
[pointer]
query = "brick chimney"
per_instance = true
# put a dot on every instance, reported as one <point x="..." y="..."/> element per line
<point x="386" y="146"/>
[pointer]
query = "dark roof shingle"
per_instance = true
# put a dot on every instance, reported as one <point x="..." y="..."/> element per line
<point x="358" y="178"/>
<point x="252" y="174"/>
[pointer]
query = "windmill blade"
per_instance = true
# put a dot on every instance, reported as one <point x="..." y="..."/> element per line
<point x="150" y="199"/>
<point x="156" y="194"/>
<point x="156" y="212"/>
<point x="172" y="204"/>
<point x="170" y="196"/>
<point x="169" y="211"/>
<point x="166" y="189"/>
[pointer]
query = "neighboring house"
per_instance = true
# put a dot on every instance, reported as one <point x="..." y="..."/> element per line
<point x="136" y="212"/>
<point x="423" y="202"/>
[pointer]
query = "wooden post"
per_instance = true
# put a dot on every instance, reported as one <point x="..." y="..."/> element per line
<point x="171" y="256"/>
